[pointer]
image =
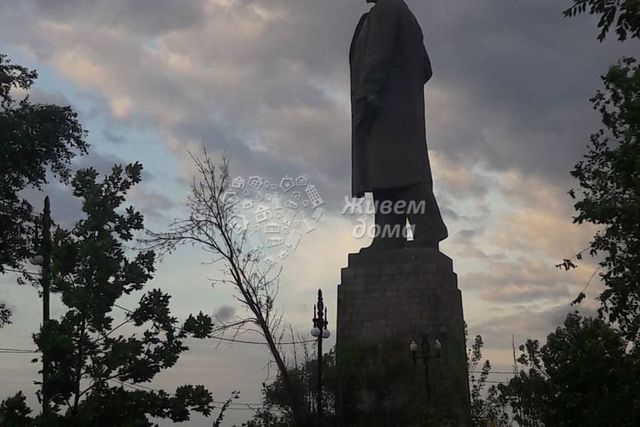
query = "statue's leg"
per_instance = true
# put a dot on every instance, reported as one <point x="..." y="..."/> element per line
<point x="424" y="215"/>
<point x="389" y="225"/>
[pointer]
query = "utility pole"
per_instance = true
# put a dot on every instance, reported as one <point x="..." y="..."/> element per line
<point x="45" y="281"/>
<point x="321" y="332"/>
<point x="515" y="362"/>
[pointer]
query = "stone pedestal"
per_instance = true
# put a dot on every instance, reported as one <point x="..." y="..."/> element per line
<point x="405" y="295"/>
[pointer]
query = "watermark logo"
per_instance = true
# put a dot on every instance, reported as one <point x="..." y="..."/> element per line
<point x="353" y="206"/>
<point x="274" y="216"/>
<point x="402" y="208"/>
<point x="362" y="229"/>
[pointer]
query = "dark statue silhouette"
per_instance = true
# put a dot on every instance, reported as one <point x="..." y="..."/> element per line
<point x="389" y="68"/>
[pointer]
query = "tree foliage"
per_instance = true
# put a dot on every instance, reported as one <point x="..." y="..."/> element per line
<point x="609" y="195"/>
<point x="5" y="315"/>
<point x="14" y="411"/>
<point x="276" y="410"/>
<point x="609" y="174"/>
<point x="582" y="376"/>
<point x="96" y="375"/>
<point x="587" y="372"/>
<point x="623" y="14"/>
<point x="487" y="406"/>
<point x="34" y="139"/>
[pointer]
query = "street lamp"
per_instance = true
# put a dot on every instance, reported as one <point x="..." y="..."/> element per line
<point x="425" y="354"/>
<point x="36" y="260"/>
<point x="320" y="332"/>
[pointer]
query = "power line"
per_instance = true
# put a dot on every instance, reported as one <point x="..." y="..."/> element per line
<point x="234" y="339"/>
<point x="243" y="405"/>
<point x="492" y="372"/>
<point x="21" y="271"/>
<point x="260" y="342"/>
<point x="17" y="350"/>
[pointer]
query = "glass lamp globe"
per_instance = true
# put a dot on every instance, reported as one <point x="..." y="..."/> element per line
<point x="437" y="345"/>
<point x="413" y="347"/>
<point x="315" y="332"/>
<point x="36" y="260"/>
<point x="326" y="334"/>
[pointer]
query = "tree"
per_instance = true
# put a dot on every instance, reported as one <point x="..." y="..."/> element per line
<point x="609" y="174"/>
<point x="34" y="139"/>
<point x="5" y="315"/>
<point x="587" y="372"/>
<point x="96" y="376"/>
<point x="214" y="226"/>
<point x="487" y="407"/>
<point x="276" y="412"/>
<point x="627" y="13"/>
<point x="609" y="178"/>
<point x="14" y="411"/>
<point x="582" y="376"/>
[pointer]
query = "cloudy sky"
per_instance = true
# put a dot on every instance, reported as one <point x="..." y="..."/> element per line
<point x="266" y="82"/>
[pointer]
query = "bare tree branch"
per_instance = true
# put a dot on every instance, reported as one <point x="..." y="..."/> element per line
<point x="212" y="225"/>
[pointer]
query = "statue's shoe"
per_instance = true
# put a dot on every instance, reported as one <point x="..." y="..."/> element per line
<point x="422" y="243"/>
<point x="384" y="244"/>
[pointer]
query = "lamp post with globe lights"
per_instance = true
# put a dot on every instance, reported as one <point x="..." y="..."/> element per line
<point x="320" y="332"/>
<point x="425" y="354"/>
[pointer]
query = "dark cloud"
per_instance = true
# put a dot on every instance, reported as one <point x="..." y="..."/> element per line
<point x="465" y="242"/>
<point x="268" y="81"/>
<point x="469" y="234"/>
<point x="144" y="17"/>
<point x="103" y="163"/>
<point x="517" y="77"/>
<point x="512" y="78"/>
<point x="523" y="280"/>
<point x="113" y="137"/>
<point x="38" y="95"/>
<point x="225" y="313"/>
<point x="527" y="322"/>
<point x="66" y="209"/>
<point x="449" y="213"/>
<point x="152" y="203"/>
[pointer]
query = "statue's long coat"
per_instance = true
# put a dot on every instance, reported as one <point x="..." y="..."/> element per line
<point x="389" y="61"/>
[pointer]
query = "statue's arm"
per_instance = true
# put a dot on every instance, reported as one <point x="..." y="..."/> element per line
<point x="382" y="22"/>
<point x="428" y="71"/>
